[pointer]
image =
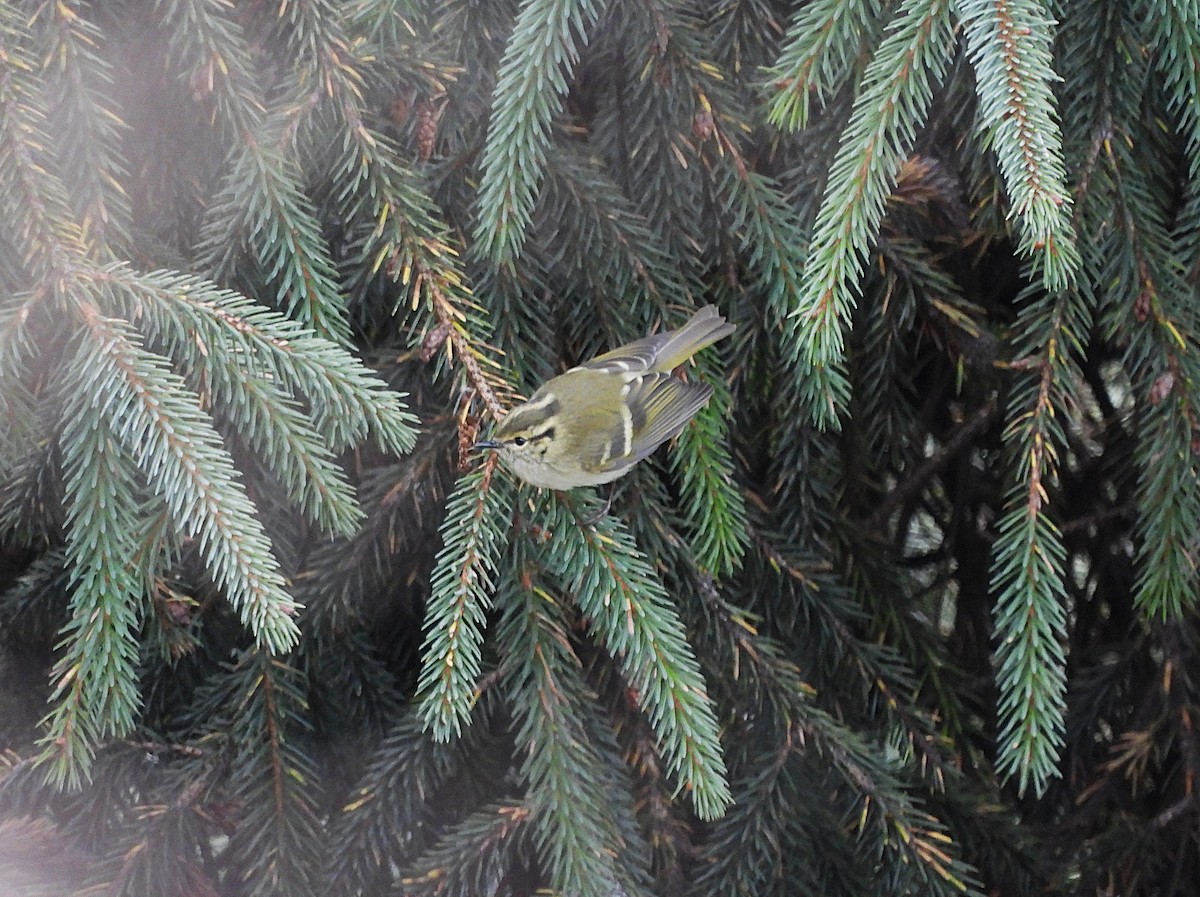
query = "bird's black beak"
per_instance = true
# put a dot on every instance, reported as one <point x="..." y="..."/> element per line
<point x="486" y="444"/>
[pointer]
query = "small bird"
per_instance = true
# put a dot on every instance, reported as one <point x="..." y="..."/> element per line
<point x="591" y="424"/>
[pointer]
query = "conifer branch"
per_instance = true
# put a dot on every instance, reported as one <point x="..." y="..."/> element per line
<point x="146" y="409"/>
<point x="740" y="856"/>
<point x="262" y="196"/>
<point x="1009" y="42"/>
<point x="474" y="537"/>
<point x="1151" y="305"/>
<point x="34" y="199"/>
<point x="1028" y="559"/>
<point x="574" y="808"/>
<point x="1167" y="372"/>
<point x="248" y="388"/>
<point x="406" y="238"/>
<point x="820" y="49"/>
<point x="711" y="499"/>
<point x="886" y="813"/>
<point x="95" y="679"/>
<point x="478" y="365"/>
<point x="205" y="39"/>
<point x="81" y="86"/>
<point x="1176" y="27"/>
<point x="348" y="402"/>
<point x="493" y="837"/>
<point x="628" y="610"/>
<point x="531" y="83"/>
<point x="614" y="248"/>
<point x="278" y="840"/>
<point x="1168" y="582"/>
<point x="392" y="811"/>
<point x="894" y="101"/>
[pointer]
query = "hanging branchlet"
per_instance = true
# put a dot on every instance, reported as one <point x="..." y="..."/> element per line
<point x="893" y="102"/>
<point x="545" y="45"/>
<point x="1030" y="612"/>
<point x="474" y="539"/>
<point x="1009" y="46"/>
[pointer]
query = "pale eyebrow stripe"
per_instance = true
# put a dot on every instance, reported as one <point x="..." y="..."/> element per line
<point x="549" y="400"/>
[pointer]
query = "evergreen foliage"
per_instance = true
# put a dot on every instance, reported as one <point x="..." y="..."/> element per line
<point x="909" y="608"/>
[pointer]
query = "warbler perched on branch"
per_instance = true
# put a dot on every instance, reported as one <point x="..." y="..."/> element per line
<point x="591" y="424"/>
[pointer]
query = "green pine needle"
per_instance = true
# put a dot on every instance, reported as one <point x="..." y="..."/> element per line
<point x="574" y="807"/>
<point x="1010" y="48"/>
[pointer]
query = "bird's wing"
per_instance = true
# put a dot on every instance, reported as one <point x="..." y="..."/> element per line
<point x="631" y="359"/>
<point x="658" y="406"/>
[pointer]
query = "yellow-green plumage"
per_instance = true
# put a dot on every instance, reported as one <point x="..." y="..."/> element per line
<point x="591" y="424"/>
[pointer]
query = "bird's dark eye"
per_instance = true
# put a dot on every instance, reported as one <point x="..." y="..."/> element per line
<point x="520" y="440"/>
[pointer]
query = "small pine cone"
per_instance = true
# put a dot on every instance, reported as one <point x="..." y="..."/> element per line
<point x="1162" y="388"/>
<point x="433" y="341"/>
<point x="468" y="433"/>
<point x="428" y="115"/>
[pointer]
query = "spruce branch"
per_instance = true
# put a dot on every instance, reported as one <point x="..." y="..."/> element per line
<point x="887" y="816"/>
<point x="394" y="810"/>
<point x="80" y="92"/>
<point x="884" y="673"/>
<point x="530" y="86"/>
<point x="402" y="233"/>
<point x="478" y="364"/>
<point x="35" y="200"/>
<point x="1028" y="558"/>
<point x="348" y="402"/>
<point x="741" y="854"/>
<point x="712" y="501"/>
<point x="248" y="390"/>
<point x="770" y="232"/>
<point x="1168" y="582"/>
<point x="819" y="52"/>
<point x="587" y="222"/>
<point x="474" y="535"/>
<point x="1176" y="29"/>
<point x="494" y="839"/>
<point x="264" y="718"/>
<point x="1009" y="43"/>
<point x="574" y="807"/>
<point x="263" y="202"/>
<point x="894" y="101"/>
<point x="147" y="409"/>
<point x="157" y="856"/>
<point x="627" y="608"/>
<point x="206" y="40"/>
<point x="1167" y="371"/>
<point x="1137" y="279"/>
<point x="20" y="330"/>
<point x="313" y="33"/>
<point x="95" y="678"/>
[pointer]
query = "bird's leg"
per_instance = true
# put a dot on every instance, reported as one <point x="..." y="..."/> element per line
<point x="596" y="516"/>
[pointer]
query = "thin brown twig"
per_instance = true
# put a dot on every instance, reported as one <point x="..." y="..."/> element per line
<point x="915" y="482"/>
<point x="443" y="310"/>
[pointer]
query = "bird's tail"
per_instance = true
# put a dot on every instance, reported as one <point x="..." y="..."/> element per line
<point x="705" y="328"/>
